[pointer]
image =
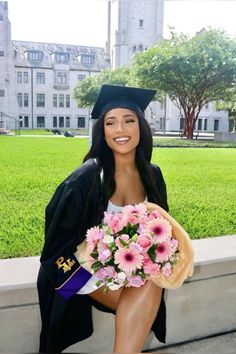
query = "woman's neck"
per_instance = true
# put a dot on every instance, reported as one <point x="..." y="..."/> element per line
<point x="125" y="162"/>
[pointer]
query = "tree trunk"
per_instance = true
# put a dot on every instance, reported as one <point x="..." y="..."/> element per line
<point x="189" y="123"/>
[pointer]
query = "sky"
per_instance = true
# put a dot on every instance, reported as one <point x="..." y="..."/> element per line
<point x="84" y="22"/>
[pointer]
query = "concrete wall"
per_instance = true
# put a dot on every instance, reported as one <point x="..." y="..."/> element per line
<point x="204" y="306"/>
<point x="230" y="137"/>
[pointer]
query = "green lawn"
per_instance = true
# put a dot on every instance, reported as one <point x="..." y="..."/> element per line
<point x="201" y="187"/>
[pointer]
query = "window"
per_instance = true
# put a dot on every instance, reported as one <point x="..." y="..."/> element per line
<point x="54" y="122"/>
<point x="61" y="100"/>
<point x="199" y="124"/>
<point x="61" y="57"/>
<point x="26" y="99"/>
<point x="81" y="122"/>
<point x="181" y="124"/>
<point x="140" y="48"/>
<point x="19" y="99"/>
<point x="2" y="93"/>
<point x="26" y="77"/>
<point x="40" y="121"/>
<point x="205" y="124"/>
<point x="40" y="100"/>
<point x="34" y="55"/>
<point x="216" y="124"/>
<point x="54" y="100"/>
<point x="61" y="78"/>
<point x="40" y="78"/>
<point x="86" y="59"/>
<point x="26" y="121"/>
<point x="206" y="105"/>
<point x="67" y="101"/>
<point x="21" y="121"/>
<point x="134" y="49"/>
<point x="141" y="23"/>
<point x="67" y="122"/>
<point x="19" y="77"/>
<point x="81" y="77"/>
<point x="61" y="122"/>
<point x="162" y="123"/>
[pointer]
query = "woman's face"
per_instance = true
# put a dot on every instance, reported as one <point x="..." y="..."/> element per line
<point x="121" y="129"/>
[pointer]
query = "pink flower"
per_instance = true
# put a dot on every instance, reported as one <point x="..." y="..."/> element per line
<point x="104" y="255"/>
<point x="154" y="215"/>
<point x="145" y="241"/>
<point x="161" y="228"/>
<point x="146" y="259"/>
<point x="163" y="252"/>
<point x="110" y="271"/>
<point x="135" y="281"/>
<point x="167" y="269"/>
<point x="112" y="221"/>
<point x="152" y="268"/>
<point x="100" y="274"/>
<point x="128" y="259"/>
<point x="93" y="235"/>
<point x="174" y="244"/>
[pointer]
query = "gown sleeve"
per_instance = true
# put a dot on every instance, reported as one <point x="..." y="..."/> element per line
<point x="161" y="185"/>
<point x="64" y="230"/>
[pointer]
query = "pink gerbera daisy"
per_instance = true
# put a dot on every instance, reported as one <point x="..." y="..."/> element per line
<point x="128" y="259"/>
<point x="163" y="251"/>
<point x="161" y="228"/>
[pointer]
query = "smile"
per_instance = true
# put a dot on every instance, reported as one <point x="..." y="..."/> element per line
<point x="122" y="140"/>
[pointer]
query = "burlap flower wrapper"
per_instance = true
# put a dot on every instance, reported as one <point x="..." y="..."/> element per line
<point x="185" y="263"/>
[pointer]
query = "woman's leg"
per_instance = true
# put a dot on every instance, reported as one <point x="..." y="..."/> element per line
<point x="136" y="312"/>
<point x="110" y="298"/>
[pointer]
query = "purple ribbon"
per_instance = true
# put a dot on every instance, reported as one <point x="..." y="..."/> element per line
<point x="75" y="283"/>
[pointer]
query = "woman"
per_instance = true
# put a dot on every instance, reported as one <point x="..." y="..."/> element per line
<point x="116" y="172"/>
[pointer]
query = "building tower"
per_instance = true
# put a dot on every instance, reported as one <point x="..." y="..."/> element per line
<point x="133" y="26"/>
<point x="8" y="103"/>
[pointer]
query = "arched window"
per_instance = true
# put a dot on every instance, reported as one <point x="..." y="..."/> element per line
<point x="140" y="48"/>
<point x="134" y="49"/>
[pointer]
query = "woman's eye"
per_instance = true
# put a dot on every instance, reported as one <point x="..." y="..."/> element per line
<point x="130" y="120"/>
<point x="109" y="123"/>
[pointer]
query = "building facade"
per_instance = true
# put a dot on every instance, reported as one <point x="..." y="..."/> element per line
<point x="37" y="80"/>
<point x="134" y="26"/>
<point x="45" y="77"/>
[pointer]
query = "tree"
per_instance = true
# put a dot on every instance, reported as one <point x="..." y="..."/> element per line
<point x="192" y="71"/>
<point x="229" y="104"/>
<point x="87" y="90"/>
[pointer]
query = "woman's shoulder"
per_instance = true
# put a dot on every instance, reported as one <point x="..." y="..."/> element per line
<point x="83" y="175"/>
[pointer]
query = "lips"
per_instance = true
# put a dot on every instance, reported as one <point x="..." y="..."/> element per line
<point x="122" y="140"/>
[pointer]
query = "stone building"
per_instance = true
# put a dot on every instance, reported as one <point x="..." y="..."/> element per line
<point x="134" y="26"/>
<point x="37" y="79"/>
<point x="45" y="77"/>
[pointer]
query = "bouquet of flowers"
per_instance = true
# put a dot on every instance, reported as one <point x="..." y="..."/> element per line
<point x="132" y="246"/>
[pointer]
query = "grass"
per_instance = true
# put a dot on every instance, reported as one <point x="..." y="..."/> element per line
<point x="49" y="132"/>
<point x="196" y="143"/>
<point x="201" y="188"/>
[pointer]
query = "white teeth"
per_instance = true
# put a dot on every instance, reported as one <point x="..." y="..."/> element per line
<point x="122" y="139"/>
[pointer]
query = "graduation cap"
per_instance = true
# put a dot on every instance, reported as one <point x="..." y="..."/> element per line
<point x="112" y="96"/>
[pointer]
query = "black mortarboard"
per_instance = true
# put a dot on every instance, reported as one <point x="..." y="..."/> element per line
<point x="112" y="96"/>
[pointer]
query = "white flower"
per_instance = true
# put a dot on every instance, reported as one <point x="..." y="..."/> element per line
<point x="108" y="239"/>
<point x="121" y="276"/>
<point x="115" y="286"/>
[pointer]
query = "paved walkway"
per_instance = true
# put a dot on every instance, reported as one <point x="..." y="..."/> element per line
<point x="221" y="344"/>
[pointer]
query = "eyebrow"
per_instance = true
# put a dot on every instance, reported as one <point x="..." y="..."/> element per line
<point x="124" y="116"/>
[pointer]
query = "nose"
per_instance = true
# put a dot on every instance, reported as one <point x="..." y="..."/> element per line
<point x="120" y="126"/>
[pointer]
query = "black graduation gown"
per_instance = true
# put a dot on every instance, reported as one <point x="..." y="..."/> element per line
<point x="67" y="321"/>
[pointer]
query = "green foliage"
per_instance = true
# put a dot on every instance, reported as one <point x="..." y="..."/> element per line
<point x="228" y="103"/>
<point x="86" y="91"/>
<point x="192" y="71"/>
<point x="201" y="187"/>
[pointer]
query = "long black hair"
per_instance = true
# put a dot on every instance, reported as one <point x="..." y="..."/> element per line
<point x="105" y="159"/>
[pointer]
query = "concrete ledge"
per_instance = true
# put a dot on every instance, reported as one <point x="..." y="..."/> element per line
<point x="204" y="306"/>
